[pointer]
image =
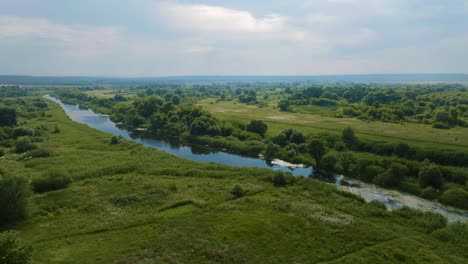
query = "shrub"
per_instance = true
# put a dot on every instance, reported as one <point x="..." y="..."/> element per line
<point x="455" y="197"/>
<point x="439" y="125"/>
<point x="456" y="232"/>
<point x="40" y="153"/>
<point x="55" y="180"/>
<point x="115" y="140"/>
<point x="24" y="144"/>
<point x="330" y="163"/>
<point x="56" y="130"/>
<point x="348" y="136"/>
<point x="426" y="221"/>
<point x="279" y="179"/>
<point x="22" y="131"/>
<point x="393" y="176"/>
<point x="238" y="191"/>
<point x="13" y="251"/>
<point x="430" y="176"/>
<point x="14" y="197"/>
<point x="2" y="152"/>
<point x="429" y="193"/>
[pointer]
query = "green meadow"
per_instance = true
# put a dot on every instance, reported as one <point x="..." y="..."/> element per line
<point x="318" y="119"/>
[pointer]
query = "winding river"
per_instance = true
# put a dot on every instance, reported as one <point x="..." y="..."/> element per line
<point x="391" y="198"/>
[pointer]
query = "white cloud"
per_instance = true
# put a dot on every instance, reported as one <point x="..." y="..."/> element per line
<point x="219" y="19"/>
<point x="76" y="40"/>
<point x="220" y="27"/>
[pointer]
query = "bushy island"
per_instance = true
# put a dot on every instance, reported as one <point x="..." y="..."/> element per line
<point x="88" y="199"/>
<point x="432" y="172"/>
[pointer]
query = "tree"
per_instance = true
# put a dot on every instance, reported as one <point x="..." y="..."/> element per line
<point x="317" y="149"/>
<point x="393" y="176"/>
<point x="14" y="195"/>
<point x="348" y="136"/>
<point x="430" y="175"/>
<point x="271" y="150"/>
<point x="347" y="160"/>
<point x="283" y="105"/>
<point x="330" y="163"/>
<point x="7" y="117"/>
<point x="258" y="127"/>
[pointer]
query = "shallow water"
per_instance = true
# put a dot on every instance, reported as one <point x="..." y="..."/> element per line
<point x="391" y="198"/>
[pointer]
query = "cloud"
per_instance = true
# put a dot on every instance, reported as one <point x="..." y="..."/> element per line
<point x="217" y="27"/>
<point x="76" y="40"/>
<point x="219" y="19"/>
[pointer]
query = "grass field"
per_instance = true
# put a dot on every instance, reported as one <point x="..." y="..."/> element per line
<point x="416" y="134"/>
<point x="133" y="204"/>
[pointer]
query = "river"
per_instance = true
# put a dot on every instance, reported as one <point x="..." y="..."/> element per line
<point x="391" y="198"/>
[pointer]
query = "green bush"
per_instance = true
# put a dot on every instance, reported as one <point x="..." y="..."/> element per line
<point x="54" y="180"/>
<point x="14" y="198"/>
<point x="456" y="233"/>
<point x="455" y="197"/>
<point x="238" y="191"/>
<point x="439" y="125"/>
<point x="429" y="193"/>
<point x="280" y="178"/>
<point x="13" y="251"/>
<point x="2" y="152"/>
<point x="22" y="131"/>
<point x="425" y="221"/>
<point x="430" y="176"/>
<point x="40" y="153"/>
<point x="115" y="140"/>
<point x="24" y="144"/>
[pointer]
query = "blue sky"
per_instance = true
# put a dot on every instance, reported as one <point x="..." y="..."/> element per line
<point x="169" y="38"/>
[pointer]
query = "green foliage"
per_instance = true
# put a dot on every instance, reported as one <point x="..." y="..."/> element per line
<point x="393" y="176"/>
<point x="271" y="151"/>
<point x="457" y="197"/>
<point x="317" y="149"/>
<point x="430" y="175"/>
<point x="24" y="144"/>
<point x="439" y="125"/>
<point x="54" y="180"/>
<point x="7" y="117"/>
<point x="22" y="131"/>
<point x="12" y="250"/>
<point x="425" y="221"/>
<point x="348" y="136"/>
<point x="257" y="127"/>
<point x="14" y="199"/>
<point x="429" y="193"/>
<point x="238" y="191"/>
<point x="40" y="153"/>
<point x="331" y="163"/>
<point x="280" y="179"/>
<point x="115" y="140"/>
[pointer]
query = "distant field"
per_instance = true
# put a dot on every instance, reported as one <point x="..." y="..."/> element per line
<point x="418" y="134"/>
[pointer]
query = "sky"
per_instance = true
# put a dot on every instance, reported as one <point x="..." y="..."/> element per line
<point x="148" y="38"/>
